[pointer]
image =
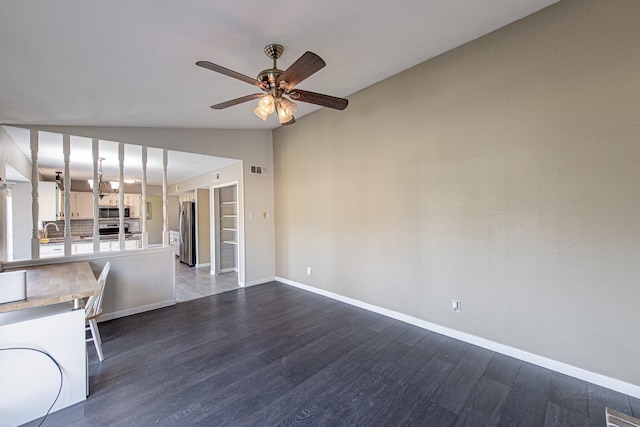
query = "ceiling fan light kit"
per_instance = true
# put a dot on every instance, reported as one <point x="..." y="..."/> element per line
<point x="276" y="83"/>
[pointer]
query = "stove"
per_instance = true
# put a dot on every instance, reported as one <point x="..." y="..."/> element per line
<point x="111" y="228"/>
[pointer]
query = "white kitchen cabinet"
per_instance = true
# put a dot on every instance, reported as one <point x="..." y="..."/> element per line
<point x="111" y="199"/>
<point x="110" y="245"/>
<point x="47" y="199"/>
<point x="51" y="250"/>
<point x="134" y="203"/>
<point x="81" y="204"/>
<point x="78" y="248"/>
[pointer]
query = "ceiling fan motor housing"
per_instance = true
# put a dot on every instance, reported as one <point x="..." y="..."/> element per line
<point x="274" y="51"/>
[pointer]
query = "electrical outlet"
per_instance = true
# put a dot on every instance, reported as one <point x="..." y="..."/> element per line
<point x="455" y="305"/>
<point x="308" y="271"/>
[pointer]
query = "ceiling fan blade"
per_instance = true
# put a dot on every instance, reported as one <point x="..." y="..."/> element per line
<point x="305" y="66"/>
<point x="227" y="72"/>
<point x="319" y="99"/>
<point x="237" y="101"/>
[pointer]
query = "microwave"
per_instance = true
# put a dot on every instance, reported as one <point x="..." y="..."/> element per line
<point x="111" y="212"/>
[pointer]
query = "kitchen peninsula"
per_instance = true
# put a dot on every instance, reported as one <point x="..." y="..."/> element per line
<point x="50" y="320"/>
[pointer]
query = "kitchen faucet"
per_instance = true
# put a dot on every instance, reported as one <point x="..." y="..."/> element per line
<point x="46" y="233"/>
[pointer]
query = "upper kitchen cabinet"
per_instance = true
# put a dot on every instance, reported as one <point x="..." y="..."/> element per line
<point x="133" y="202"/>
<point x="47" y="198"/>
<point x="111" y="199"/>
<point x="81" y="205"/>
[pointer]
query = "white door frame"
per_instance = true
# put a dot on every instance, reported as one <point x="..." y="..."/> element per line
<point x="215" y="232"/>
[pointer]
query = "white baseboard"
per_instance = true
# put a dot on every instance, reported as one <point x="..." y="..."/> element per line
<point x="204" y="264"/>
<point x="259" y="281"/>
<point x="554" y="365"/>
<point x="135" y="310"/>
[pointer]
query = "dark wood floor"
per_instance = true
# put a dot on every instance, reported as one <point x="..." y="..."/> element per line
<point x="275" y="355"/>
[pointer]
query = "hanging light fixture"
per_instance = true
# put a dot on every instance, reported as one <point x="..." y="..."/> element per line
<point x="103" y="187"/>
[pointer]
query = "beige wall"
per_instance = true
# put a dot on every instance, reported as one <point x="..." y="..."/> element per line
<point x="505" y="174"/>
<point x="154" y="225"/>
<point x="203" y="207"/>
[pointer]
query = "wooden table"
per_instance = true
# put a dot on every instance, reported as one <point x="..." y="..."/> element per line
<point x="55" y="283"/>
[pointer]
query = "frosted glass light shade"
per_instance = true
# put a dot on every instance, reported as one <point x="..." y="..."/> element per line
<point x="266" y="106"/>
<point x="286" y="110"/>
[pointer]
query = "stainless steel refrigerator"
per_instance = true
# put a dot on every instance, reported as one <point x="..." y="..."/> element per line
<point x="188" y="233"/>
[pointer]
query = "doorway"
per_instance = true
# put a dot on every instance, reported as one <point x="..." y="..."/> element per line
<point x="226" y="230"/>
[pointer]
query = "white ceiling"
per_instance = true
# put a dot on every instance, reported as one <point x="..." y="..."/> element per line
<point x="131" y="63"/>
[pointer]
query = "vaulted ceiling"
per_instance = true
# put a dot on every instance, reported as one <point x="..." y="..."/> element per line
<point x="131" y="63"/>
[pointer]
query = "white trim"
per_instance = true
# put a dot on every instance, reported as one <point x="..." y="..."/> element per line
<point x="240" y="267"/>
<point x="259" y="281"/>
<point x="136" y="310"/>
<point x="205" y="264"/>
<point x="554" y="365"/>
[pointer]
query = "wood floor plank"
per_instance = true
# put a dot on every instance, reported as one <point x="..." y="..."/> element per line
<point x="381" y="324"/>
<point x="434" y="415"/>
<point x="485" y="405"/>
<point x="635" y="406"/>
<point x="432" y="343"/>
<point x="301" y="394"/>
<point x="570" y="393"/>
<point x="452" y="350"/>
<point x="600" y="398"/>
<point x="463" y="379"/>
<point x="301" y="368"/>
<point x="527" y="403"/>
<point x="273" y="354"/>
<point x="560" y="416"/>
<point x="413" y="336"/>
<point x="409" y="404"/>
<point x="503" y="369"/>
<point x="377" y="395"/>
<point x="317" y="410"/>
<point x="368" y="349"/>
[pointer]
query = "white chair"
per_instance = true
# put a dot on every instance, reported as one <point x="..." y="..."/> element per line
<point x="93" y="309"/>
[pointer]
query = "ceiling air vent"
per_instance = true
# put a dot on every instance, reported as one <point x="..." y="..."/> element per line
<point x="258" y="170"/>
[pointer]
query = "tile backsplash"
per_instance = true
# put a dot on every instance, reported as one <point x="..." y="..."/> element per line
<point x="84" y="227"/>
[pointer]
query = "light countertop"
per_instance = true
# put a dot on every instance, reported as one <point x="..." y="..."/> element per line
<point x="54" y="284"/>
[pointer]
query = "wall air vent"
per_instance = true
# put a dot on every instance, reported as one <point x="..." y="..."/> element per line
<point x="258" y="170"/>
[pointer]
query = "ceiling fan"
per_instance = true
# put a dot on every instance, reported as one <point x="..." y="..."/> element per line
<point x="276" y="83"/>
